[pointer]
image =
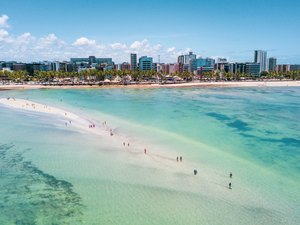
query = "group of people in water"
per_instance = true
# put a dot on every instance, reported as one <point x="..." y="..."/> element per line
<point x="124" y="144"/>
<point x="92" y="125"/>
<point x="179" y="158"/>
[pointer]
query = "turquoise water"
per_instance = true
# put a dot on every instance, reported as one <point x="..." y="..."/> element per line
<point x="51" y="174"/>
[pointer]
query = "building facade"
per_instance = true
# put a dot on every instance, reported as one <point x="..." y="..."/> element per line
<point x="294" y="67"/>
<point x="272" y="64"/>
<point x="133" y="61"/>
<point x="252" y="69"/>
<point x="145" y="63"/>
<point x="261" y="58"/>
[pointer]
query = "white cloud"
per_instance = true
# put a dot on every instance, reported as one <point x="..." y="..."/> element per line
<point x="139" y="44"/>
<point x="49" y="41"/>
<point x="3" y="34"/>
<point x="24" y="38"/>
<point x="84" y="41"/>
<point x="187" y="50"/>
<point x="118" y="46"/>
<point x="171" y="49"/>
<point x="28" y="48"/>
<point x="157" y="47"/>
<point x="3" y="21"/>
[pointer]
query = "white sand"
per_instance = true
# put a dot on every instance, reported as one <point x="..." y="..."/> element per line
<point x="265" y="83"/>
<point x="68" y="118"/>
<point x="76" y="123"/>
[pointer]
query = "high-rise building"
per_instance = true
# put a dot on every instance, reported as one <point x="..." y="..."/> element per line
<point x="193" y="65"/>
<point x="145" y="63"/>
<point x="185" y="59"/>
<point x="261" y="58"/>
<point x="272" y="64"/>
<point x="188" y="61"/>
<point x="133" y="61"/>
<point x="92" y="59"/>
<point x="181" y="59"/>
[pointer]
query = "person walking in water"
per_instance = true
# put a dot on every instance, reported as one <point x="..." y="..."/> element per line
<point x="180" y="158"/>
<point x="195" y="172"/>
<point x="230" y="185"/>
<point x="230" y="175"/>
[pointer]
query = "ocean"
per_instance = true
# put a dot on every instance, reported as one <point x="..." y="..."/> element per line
<point x="53" y="174"/>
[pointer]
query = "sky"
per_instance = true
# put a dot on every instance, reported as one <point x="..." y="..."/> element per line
<point x="36" y="30"/>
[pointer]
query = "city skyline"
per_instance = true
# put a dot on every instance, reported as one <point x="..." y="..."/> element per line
<point x="40" y="31"/>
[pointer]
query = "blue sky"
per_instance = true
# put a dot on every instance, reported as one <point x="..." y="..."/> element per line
<point x="60" y="29"/>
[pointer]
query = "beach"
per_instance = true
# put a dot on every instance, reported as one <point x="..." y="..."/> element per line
<point x="155" y="85"/>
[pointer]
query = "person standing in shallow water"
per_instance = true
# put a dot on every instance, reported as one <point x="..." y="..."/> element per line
<point x="177" y="158"/>
<point x="180" y="158"/>
<point x="230" y="175"/>
<point x="230" y="185"/>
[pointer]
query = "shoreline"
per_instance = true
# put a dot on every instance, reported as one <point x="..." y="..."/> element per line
<point x="214" y="84"/>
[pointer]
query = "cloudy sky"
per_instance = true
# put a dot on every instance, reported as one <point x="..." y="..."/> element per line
<point x="35" y="30"/>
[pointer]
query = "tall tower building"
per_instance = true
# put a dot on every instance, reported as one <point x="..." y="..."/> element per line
<point x="133" y="61"/>
<point x="261" y="58"/>
<point x="272" y="64"/>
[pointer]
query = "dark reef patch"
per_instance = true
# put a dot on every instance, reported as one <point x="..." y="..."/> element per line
<point x="218" y="116"/>
<point x="240" y="125"/>
<point x="28" y="195"/>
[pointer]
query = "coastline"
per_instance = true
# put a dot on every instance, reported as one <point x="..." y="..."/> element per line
<point x="155" y="85"/>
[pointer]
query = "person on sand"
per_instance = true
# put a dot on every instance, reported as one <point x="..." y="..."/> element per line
<point x="145" y="151"/>
<point x="180" y="158"/>
<point x="230" y="175"/>
<point x="177" y="158"/>
<point x="195" y="172"/>
<point x="123" y="143"/>
<point x="230" y="185"/>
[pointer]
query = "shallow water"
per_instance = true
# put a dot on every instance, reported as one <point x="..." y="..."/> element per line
<point x="51" y="174"/>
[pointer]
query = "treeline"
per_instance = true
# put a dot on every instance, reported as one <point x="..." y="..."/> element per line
<point x="93" y="75"/>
